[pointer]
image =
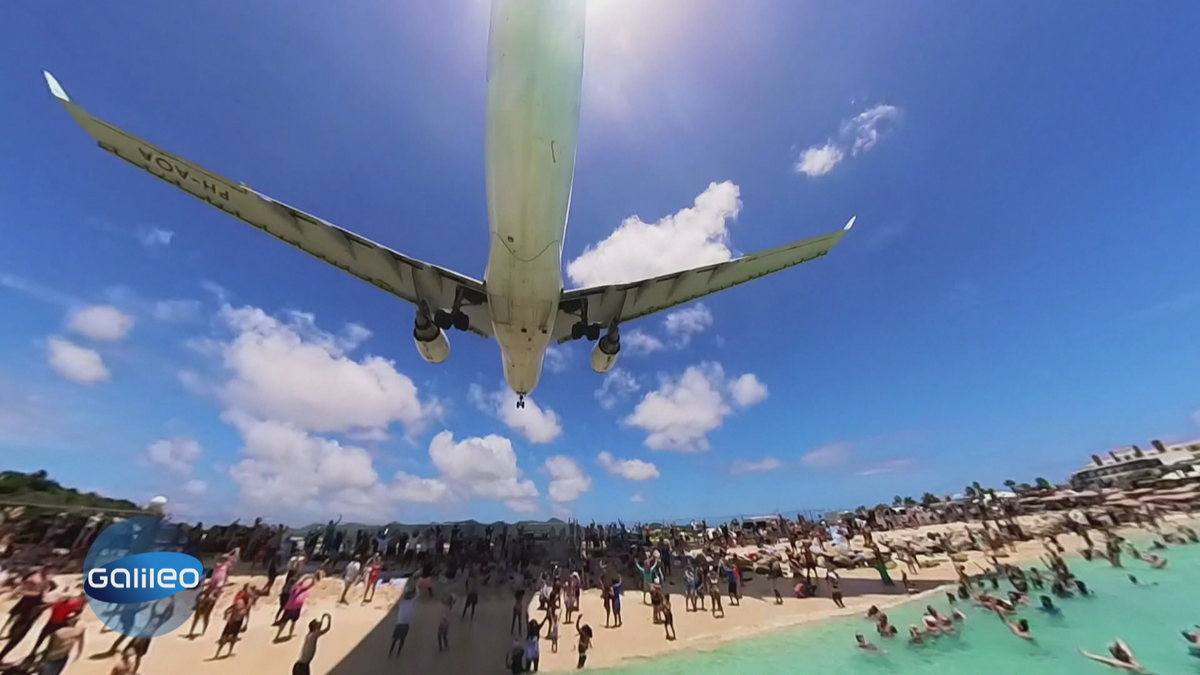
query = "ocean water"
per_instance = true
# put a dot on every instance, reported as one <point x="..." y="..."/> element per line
<point x="1149" y="619"/>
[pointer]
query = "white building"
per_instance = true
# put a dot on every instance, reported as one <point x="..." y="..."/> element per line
<point x="1126" y="466"/>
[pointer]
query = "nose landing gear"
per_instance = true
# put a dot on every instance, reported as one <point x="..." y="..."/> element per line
<point x="520" y="400"/>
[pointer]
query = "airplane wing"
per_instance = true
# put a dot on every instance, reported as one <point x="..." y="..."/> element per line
<point x="400" y="275"/>
<point x="625" y="302"/>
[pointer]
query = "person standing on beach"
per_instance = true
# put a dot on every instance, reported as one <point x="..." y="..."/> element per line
<point x="294" y="605"/>
<point x="714" y="591"/>
<point x="62" y="641"/>
<point x="606" y="596"/>
<point x="404" y="614"/>
<point x="835" y="588"/>
<point x="309" y="650"/>
<point x="585" y="641"/>
<point x="616" y="602"/>
<point x="733" y="577"/>
<point x="472" y="598"/>
<point x="350" y="577"/>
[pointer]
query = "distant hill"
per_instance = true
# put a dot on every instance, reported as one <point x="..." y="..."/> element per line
<point x="353" y="528"/>
<point x="37" y="488"/>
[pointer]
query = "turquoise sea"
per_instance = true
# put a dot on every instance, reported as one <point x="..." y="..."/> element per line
<point x="1149" y="619"/>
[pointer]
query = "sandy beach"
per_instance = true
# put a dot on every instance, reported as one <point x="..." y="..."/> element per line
<point x="359" y="640"/>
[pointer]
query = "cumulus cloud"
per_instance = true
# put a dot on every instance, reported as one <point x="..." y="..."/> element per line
<point x="77" y="364"/>
<point x="694" y="236"/>
<point x="557" y="359"/>
<point x="537" y="425"/>
<point x="856" y="136"/>
<point x="174" y="454"/>
<point x="819" y="159"/>
<point x="684" y="323"/>
<point x="103" y="323"/>
<point x="294" y="372"/>
<point x="827" y="456"/>
<point x="617" y="385"/>
<point x="486" y="467"/>
<point x="868" y="127"/>
<point x="154" y="236"/>
<point x="629" y="469"/>
<point x="195" y="487"/>
<point x="761" y="466"/>
<point x="640" y="343"/>
<point x="637" y="499"/>
<point x="681" y="412"/>
<point x="748" y="390"/>
<point x="567" y="479"/>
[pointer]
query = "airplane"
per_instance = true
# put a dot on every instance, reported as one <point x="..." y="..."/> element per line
<point x="534" y="88"/>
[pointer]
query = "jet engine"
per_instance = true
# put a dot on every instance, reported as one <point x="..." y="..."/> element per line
<point x="431" y="341"/>
<point x="604" y="354"/>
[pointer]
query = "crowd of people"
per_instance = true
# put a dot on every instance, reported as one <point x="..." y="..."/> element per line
<point x="1058" y="582"/>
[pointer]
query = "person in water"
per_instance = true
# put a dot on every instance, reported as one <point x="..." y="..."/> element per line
<point x="1048" y="607"/>
<point x="865" y="645"/>
<point x="1122" y="657"/>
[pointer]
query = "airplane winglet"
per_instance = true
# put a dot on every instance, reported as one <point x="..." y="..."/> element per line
<point x="55" y="87"/>
<point x="844" y="229"/>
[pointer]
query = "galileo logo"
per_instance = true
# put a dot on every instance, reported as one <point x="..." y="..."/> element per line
<point x="143" y="577"/>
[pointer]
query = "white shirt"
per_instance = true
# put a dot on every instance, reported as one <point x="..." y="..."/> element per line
<point x="352" y="571"/>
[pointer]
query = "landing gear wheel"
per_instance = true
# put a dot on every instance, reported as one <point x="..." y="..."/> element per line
<point x="443" y="319"/>
<point x="521" y="401"/>
<point x="593" y="332"/>
<point x="577" y="331"/>
<point x="461" y="321"/>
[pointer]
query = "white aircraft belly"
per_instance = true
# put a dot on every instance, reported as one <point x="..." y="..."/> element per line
<point x="535" y="77"/>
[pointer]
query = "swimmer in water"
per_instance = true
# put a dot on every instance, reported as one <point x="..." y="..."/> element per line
<point x="1134" y="580"/>
<point x="1082" y="588"/>
<point x="1048" y="607"/>
<point x="872" y="612"/>
<point x="1020" y="628"/>
<point x="914" y="635"/>
<point x="1156" y="562"/>
<point x="865" y="645"/>
<point x="958" y="614"/>
<point x="1122" y="657"/>
<point x="884" y="628"/>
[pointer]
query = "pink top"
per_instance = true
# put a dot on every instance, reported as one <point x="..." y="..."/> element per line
<point x="297" y="598"/>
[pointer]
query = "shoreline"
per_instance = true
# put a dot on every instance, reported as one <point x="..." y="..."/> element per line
<point x="807" y="615"/>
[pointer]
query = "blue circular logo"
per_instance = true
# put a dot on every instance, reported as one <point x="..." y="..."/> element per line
<point x="143" y="576"/>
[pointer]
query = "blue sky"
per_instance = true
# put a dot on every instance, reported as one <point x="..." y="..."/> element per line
<point x="1017" y="294"/>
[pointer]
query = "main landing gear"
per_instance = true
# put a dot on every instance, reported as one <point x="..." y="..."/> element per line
<point x="455" y="318"/>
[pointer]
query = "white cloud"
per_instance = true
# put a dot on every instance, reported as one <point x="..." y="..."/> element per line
<point x="868" y="127"/>
<point x="819" y="159"/>
<point x="557" y="359"/>
<point x="521" y="505"/>
<point x="36" y="291"/>
<point x="175" y="454"/>
<point x="637" y="499"/>
<point x="78" y="364"/>
<point x="761" y="466"/>
<point x="748" y="390"/>
<point x="890" y="466"/>
<point x="567" y="479"/>
<point x="484" y="467"/>
<point x="629" y="469"/>
<point x="103" y="323"/>
<point x="684" y="323"/>
<point x="296" y="373"/>
<point x="408" y="488"/>
<point x="195" y="487"/>
<point x="680" y="413"/>
<point x="532" y="422"/>
<point x="638" y="343"/>
<point x="694" y="236"/>
<point x="827" y="456"/>
<point x="154" y="236"/>
<point x="617" y="385"/>
<point x="857" y="135"/>
<point x="177" y="311"/>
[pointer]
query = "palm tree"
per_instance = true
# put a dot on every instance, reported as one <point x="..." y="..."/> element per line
<point x="1043" y="484"/>
<point x="970" y="491"/>
<point x="909" y="501"/>
<point x="929" y="499"/>
<point x="1011" y="485"/>
<point x="897" y="501"/>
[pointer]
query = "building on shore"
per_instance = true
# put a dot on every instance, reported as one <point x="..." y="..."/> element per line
<point x="1125" y="467"/>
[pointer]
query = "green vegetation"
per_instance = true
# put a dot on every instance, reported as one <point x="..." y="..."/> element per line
<point x="37" y="488"/>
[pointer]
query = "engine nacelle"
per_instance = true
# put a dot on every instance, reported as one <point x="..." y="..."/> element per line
<point x="432" y="343"/>
<point x="604" y="354"/>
